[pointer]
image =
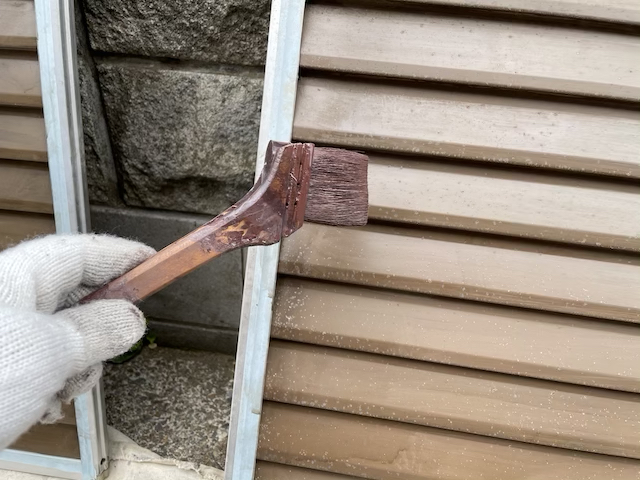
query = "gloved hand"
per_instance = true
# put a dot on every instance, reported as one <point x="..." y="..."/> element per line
<point x="51" y="351"/>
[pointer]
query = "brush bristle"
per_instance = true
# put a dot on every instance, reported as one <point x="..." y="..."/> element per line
<point x="338" y="193"/>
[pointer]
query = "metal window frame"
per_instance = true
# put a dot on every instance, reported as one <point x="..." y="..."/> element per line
<point x="276" y="123"/>
<point x="55" y="21"/>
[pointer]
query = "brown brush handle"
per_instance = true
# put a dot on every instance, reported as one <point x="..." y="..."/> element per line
<point x="273" y="208"/>
<point x="235" y="228"/>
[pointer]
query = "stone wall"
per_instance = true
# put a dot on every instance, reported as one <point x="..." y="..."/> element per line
<point x="171" y="94"/>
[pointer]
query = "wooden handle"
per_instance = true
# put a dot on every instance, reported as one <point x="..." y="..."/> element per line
<point x="222" y="234"/>
<point x="164" y="267"/>
<point x="272" y="209"/>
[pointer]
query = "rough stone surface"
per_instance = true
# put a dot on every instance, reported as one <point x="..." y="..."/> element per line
<point x="221" y="31"/>
<point x="100" y="169"/>
<point x="183" y="140"/>
<point x="208" y="298"/>
<point x="174" y="402"/>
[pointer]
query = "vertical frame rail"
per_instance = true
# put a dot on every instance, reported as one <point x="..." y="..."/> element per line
<point x="55" y="21"/>
<point x="65" y="151"/>
<point x="276" y="123"/>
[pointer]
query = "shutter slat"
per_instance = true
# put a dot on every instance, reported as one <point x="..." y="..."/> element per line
<point x="515" y="203"/>
<point x="17" y="25"/>
<point x="596" y="284"/>
<point x="466" y="50"/>
<point x="453" y="398"/>
<point x="275" y="471"/>
<point x="534" y="344"/>
<point x="17" y="226"/>
<point x="468" y="125"/>
<point x="25" y="186"/>
<point x="615" y="11"/>
<point x="22" y="137"/>
<point x="386" y="450"/>
<point x="19" y="82"/>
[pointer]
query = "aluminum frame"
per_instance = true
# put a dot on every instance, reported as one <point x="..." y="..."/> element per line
<point x="276" y="123"/>
<point x="55" y="21"/>
<point x="40" y="464"/>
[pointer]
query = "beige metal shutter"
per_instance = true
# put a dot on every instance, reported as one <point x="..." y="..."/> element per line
<point x="485" y="324"/>
<point x="26" y="207"/>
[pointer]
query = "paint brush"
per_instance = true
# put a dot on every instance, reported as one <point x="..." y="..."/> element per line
<point x="299" y="182"/>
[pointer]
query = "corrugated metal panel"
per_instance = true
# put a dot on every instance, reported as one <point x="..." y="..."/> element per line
<point x="485" y="324"/>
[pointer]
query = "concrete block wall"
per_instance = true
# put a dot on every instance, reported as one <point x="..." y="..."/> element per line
<point x="171" y="95"/>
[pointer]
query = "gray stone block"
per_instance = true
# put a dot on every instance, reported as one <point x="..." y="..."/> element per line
<point x="208" y="298"/>
<point x="182" y="140"/>
<point x="221" y="31"/>
<point x="180" y="335"/>
<point x="100" y="169"/>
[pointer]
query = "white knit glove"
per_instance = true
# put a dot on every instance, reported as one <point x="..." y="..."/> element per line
<point x="49" y="352"/>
